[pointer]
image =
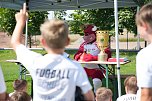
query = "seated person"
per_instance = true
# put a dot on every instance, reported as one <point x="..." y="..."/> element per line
<point x="19" y="85"/>
<point x="131" y="88"/>
<point x="88" y="51"/>
<point x="20" y="96"/>
<point x="103" y="94"/>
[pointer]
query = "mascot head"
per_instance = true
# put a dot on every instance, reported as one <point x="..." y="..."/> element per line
<point x="89" y="33"/>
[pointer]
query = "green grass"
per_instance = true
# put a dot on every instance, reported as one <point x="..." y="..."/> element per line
<point x="11" y="70"/>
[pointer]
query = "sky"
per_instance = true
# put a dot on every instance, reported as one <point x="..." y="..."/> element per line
<point x="51" y="14"/>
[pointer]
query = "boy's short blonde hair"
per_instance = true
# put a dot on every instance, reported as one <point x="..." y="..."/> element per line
<point x="103" y="94"/>
<point x="145" y="15"/>
<point x="131" y="84"/>
<point x="55" y="33"/>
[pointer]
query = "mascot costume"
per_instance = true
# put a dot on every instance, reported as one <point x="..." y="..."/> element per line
<point x="88" y="51"/>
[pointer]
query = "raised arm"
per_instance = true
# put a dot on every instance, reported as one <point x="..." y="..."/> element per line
<point x="21" y="18"/>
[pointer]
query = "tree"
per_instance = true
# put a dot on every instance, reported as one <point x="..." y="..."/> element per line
<point x="60" y="14"/>
<point x="102" y="18"/>
<point x="147" y="1"/>
<point x="127" y="19"/>
<point x="7" y="22"/>
<point x="78" y="20"/>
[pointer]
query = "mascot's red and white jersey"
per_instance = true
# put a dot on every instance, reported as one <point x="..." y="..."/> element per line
<point x="91" y="49"/>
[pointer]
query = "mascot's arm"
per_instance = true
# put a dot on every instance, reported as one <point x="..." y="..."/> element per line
<point x="79" y="52"/>
<point x="89" y="57"/>
<point x="107" y="50"/>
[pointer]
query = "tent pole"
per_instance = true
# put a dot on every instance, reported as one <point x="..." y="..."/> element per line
<point x="117" y="46"/>
<point x="138" y="36"/>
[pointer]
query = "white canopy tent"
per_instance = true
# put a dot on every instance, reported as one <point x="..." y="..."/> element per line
<point x="51" y="5"/>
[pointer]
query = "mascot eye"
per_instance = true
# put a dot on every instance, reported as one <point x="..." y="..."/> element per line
<point x="86" y="34"/>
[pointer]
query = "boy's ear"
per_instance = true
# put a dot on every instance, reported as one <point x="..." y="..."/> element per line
<point x="43" y="42"/>
<point x="68" y="41"/>
<point x="145" y="25"/>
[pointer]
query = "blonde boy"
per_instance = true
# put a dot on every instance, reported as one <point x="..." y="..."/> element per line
<point x="103" y="94"/>
<point x="131" y="88"/>
<point x="55" y="77"/>
<point x="144" y="57"/>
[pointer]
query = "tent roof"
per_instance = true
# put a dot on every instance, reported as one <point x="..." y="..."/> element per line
<point x="48" y="5"/>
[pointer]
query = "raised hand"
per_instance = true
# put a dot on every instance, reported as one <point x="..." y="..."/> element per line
<point x="22" y="16"/>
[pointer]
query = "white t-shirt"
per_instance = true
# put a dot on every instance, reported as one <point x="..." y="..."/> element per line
<point x="93" y="50"/>
<point x="55" y="77"/>
<point x="144" y="69"/>
<point x="127" y="97"/>
<point x="2" y="82"/>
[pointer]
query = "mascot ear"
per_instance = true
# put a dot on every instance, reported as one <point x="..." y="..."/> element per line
<point x="94" y="28"/>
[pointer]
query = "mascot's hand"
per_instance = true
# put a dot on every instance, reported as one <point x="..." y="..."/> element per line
<point x="77" y="56"/>
<point x="89" y="57"/>
<point x="108" y="52"/>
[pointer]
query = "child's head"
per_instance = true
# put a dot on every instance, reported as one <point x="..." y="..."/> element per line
<point x="20" y="85"/>
<point x="103" y="94"/>
<point x="54" y="34"/>
<point x="20" y="96"/>
<point x="130" y="84"/>
<point x="144" y="21"/>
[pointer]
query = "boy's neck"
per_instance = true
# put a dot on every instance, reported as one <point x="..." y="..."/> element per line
<point x="55" y="51"/>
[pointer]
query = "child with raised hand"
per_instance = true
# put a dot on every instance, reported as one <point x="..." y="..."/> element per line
<point x="55" y="77"/>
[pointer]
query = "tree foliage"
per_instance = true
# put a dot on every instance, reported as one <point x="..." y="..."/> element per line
<point x="147" y="1"/>
<point x="60" y="14"/>
<point x="104" y="19"/>
<point x="7" y="21"/>
<point x="78" y="20"/>
<point x="126" y="18"/>
<point x="34" y="22"/>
